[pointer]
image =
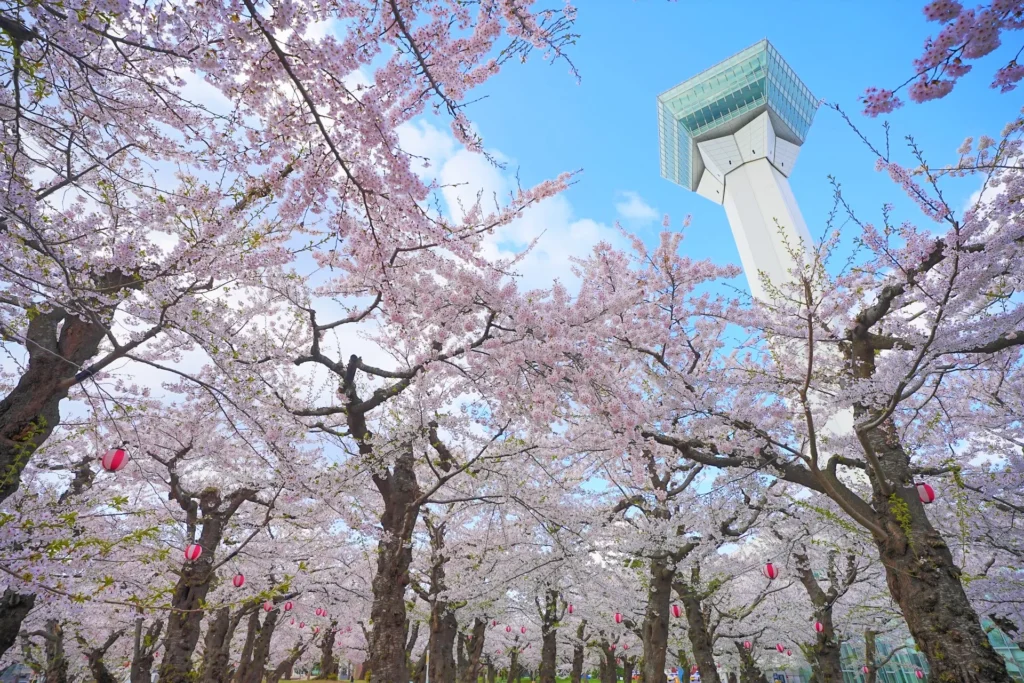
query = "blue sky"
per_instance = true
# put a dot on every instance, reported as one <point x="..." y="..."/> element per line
<point x="629" y="52"/>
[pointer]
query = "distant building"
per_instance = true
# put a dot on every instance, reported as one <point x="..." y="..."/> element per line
<point x="17" y="673"/>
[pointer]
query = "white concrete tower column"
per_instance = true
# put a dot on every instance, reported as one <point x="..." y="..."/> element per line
<point x="732" y="134"/>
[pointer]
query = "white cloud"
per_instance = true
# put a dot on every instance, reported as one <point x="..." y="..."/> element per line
<point x="560" y="234"/>
<point x="634" y="209"/>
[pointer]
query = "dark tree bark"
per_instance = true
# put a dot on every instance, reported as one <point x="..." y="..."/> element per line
<point x="551" y="615"/>
<point x="245" y="657"/>
<point x="94" y="656"/>
<point x="609" y="669"/>
<point x="55" y="666"/>
<point x="401" y="495"/>
<point x="212" y="511"/>
<point x="419" y="672"/>
<point x="470" y="673"/>
<point x="59" y="344"/>
<point x="215" y="656"/>
<point x="284" y="669"/>
<point x="492" y="673"/>
<point x="627" y="669"/>
<point x="750" y="672"/>
<point x="513" y="663"/>
<point x="14" y="607"/>
<point x="869" y="656"/>
<point x="576" y="675"/>
<point x="655" y="627"/>
<point x="144" y="648"/>
<point x="328" y="662"/>
<point x="701" y="640"/>
<point x="261" y="649"/>
<point x="443" y="631"/>
<point x="824" y="654"/>
<point x="732" y="677"/>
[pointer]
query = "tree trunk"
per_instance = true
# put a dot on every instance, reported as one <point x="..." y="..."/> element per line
<point x="144" y="649"/>
<point x="475" y="647"/>
<point x="627" y="669"/>
<point x="919" y="568"/>
<point x="94" y="657"/>
<point x="31" y="411"/>
<point x="655" y="628"/>
<point x="261" y="649"/>
<point x="215" y="656"/>
<point x="492" y="673"/>
<point x="513" y="665"/>
<point x="394" y="555"/>
<point x="443" y="630"/>
<point x="285" y="667"/>
<point x="609" y="669"/>
<point x="869" y="656"/>
<point x="750" y="672"/>
<point x="700" y="639"/>
<point x="419" y="672"/>
<point x="549" y="636"/>
<point x="245" y="658"/>
<point x="185" y="620"/>
<point x="824" y="653"/>
<point x="14" y="607"/>
<point x="578" y="652"/>
<point x="56" y="661"/>
<point x="328" y="662"/>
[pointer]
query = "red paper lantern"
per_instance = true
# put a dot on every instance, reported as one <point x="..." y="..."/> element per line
<point x="302" y="624"/>
<point x="919" y="673"/>
<point x="925" y="492"/>
<point x="267" y="606"/>
<point x="114" y="459"/>
<point x="613" y="647"/>
<point x="789" y="653"/>
<point x="193" y="551"/>
<point x="746" y="644"/>
<point x="508" y="629"/>
<point x="292" y="622"/>
<point x="570" y="608"/>
<point x="618" y="618"/>
<point x="626" y="646"/>
<point x="819" y="627"/>
<point x="288" y="606"/>
<point x="317" y="610"/>
<point x="316" y="630"/>
<point x="677" y="611"/>
<point x="865" y="669"/>
<point x="522" y="629"/>
<point x="770" y="571"/>
<point x="780" y="648"/>
<point x="494" y="623"/>
<point x="238" y="581"/>
<point x="126" y="664"/>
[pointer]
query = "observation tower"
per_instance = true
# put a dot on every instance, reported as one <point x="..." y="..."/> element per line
<point x="732" y="134"/>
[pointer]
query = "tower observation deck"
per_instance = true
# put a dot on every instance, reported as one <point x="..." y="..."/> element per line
<point x="732" y="134"/>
